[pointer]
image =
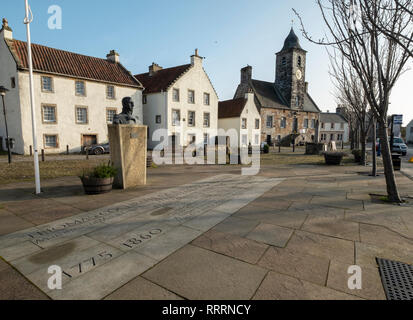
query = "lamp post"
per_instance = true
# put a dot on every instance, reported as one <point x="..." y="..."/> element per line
<point x="3" y="92"/>
<point x="27" y="21"/>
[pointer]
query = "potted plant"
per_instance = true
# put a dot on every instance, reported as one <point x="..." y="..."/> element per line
<point x="266" y="148"/>
<point x="357" y="155"/>
<point x="333" y="158"/>
<point x="100" y="179"/>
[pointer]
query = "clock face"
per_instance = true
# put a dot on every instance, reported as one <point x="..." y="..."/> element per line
<point x="298" y="74"/>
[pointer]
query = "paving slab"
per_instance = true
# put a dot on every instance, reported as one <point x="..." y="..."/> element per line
<point x="322" y="246"/>
<point x="271" y="234"/>
<point x="282" y="287"/>
<point x="236" y="226"/>
<point x="102" y="281"/>
<point x="232" y="246"/>
<point x="297" y="264"/>
<point x="372" y="288"/>
<point x="142" y="289"/>
<point x="199" y="274"/>
<point x="387" y="238"/>
<point x="11" y="223"/>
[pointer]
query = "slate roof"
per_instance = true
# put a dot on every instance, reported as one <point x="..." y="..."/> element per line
<point x="269" y="96"/>
<point x="163" y="79"/>
<point x="55" y="61"/>
<point x="292" y="41"/>
<point x="326" y="117"/>
<point x="231" y="108"/>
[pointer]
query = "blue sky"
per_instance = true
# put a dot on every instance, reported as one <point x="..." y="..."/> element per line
<point x="229" y="33"/>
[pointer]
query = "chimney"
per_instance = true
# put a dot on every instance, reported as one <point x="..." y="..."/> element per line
<point x="6" y="31"/>
<point x="246" y="74"/>
<point x="154" y="68"/>
<point x="196" y="60"/>
<point x="113" y="56"/>
<point x="306" y="87"/>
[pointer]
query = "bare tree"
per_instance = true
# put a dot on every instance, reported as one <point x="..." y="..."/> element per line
<point x="377" y="59"/>
<point x="348" y="93"/>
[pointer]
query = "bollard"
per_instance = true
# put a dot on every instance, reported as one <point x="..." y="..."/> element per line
<point x="42" y="155"/>
<point x="67" y="149"/>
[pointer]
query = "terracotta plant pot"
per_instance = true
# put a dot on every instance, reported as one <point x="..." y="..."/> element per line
<point x="333" y="158"/>
<point x="97" y="185"/>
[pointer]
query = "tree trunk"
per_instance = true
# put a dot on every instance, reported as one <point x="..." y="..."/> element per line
<point x="363" y="141"/>
<point x="392" y="191"/>
<point x="374" y="138"/>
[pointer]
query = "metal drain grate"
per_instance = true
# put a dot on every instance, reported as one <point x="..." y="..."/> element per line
<point x="397" y="279"/>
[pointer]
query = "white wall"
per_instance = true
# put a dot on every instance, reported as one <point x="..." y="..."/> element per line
<point x="409" y="133"/>
<point x="195" y="79"/>
<point x="69" y="132"/>
<point x="156" y="105"/>
<point x="7" y="71"/>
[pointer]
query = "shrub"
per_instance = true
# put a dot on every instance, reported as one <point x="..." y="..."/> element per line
<point x="102" y="171"/>
<point x="266" y="148"/>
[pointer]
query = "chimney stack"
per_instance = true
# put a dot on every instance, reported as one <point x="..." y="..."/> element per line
<point x="154" y="68"/>
<point x="6" y="31"/>
<point x="113" y="56"/>
<point x="246" y="74"/>
<point x="196" y="59"/>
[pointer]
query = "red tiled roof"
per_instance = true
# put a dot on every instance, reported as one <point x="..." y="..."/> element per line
<point x="49" y="60"/>
<point x="231" y="108"/>
<point x="162" y="79"/>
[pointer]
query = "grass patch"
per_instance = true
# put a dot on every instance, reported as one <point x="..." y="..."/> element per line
<point x="24" y="170"/>
<point x="291" y="159"/>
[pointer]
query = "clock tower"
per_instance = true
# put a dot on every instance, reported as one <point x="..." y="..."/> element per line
<point x="290" y="71"/>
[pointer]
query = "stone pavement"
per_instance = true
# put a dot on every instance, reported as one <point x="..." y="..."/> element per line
<point x="289" y="233"/>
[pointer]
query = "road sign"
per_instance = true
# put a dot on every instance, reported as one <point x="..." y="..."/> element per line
<point x="398" y="119"/>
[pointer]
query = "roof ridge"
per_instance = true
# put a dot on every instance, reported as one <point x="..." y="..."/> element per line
<point x="164" y="69"/>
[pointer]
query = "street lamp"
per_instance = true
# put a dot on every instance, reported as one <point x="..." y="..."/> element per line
<point x="3" y="92"/>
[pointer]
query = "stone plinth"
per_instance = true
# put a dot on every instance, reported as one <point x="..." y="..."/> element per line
<point x="128" y="148"/>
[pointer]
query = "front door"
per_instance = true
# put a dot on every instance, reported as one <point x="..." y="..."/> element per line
<point x="89" y="140"/>
<point x="269" y="140"/>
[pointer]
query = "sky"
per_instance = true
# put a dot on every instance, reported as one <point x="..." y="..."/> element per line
<point x="230" y="34"/>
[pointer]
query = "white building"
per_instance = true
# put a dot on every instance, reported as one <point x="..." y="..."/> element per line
<point x="333" y="127"/>
<point x="76" y="96"/>
<point x="243" y="116"/>
<point x="181" y="100"/>
<point x="409" y="133"/>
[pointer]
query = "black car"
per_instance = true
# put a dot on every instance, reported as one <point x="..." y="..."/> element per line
<point x="99" y="149"/>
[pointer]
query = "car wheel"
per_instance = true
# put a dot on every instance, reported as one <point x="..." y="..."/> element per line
<point x="98" y="151"/>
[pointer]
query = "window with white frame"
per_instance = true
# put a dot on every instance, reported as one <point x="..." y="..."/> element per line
<point x="270" y="121"/>
<point x="110" y="92"/>
<point x="244" y="123"/>
<point x="257" y="139"/>
<point x="323" y="137"/>
<point x="47" y="84"/>
<point x="332" y="137"/>
<point x="191" y="118"/>
<point x="175" y="95"/>
<point x="244" y="139"/>
<point x="313" y="123"/>
<point x="50" y="141"/>
<point x="206" y="120"/>
<point x="305" y="123"/>
<point x="49" y="114"/>
<point x="332" y="126"/>
<point x="342" y="126"/>
<point x="80" y="88"/>
<point x="206" y="99"/>
<point x="81" y="115"/>
<point x="322" y="125"/>
<point x="283" y="122"/>
<point x="191" y="96"/>
<point x="110" y="114"/>
<point x="206" y="138"/>
<point x="257" y="123"/>
<point x="176" y="118"/>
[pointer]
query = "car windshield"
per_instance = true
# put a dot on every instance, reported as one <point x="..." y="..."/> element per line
<point x="398" y="140"/>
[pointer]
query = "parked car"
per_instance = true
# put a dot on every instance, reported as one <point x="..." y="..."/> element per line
<point x="99" y="149"/>
<point x="398" y="146"/>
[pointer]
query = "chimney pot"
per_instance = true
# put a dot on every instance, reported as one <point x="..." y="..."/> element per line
<point x="113" y="56"/>
<point x="6" y="30"/>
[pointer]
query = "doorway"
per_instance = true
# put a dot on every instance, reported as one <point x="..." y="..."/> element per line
<point x="89" y="140"/>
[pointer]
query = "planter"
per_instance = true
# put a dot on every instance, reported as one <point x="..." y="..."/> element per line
<point x="97" y="185"/>
<point x="333" y="158"/>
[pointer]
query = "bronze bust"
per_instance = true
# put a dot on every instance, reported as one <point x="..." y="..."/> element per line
<point x="126" y="116"/>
